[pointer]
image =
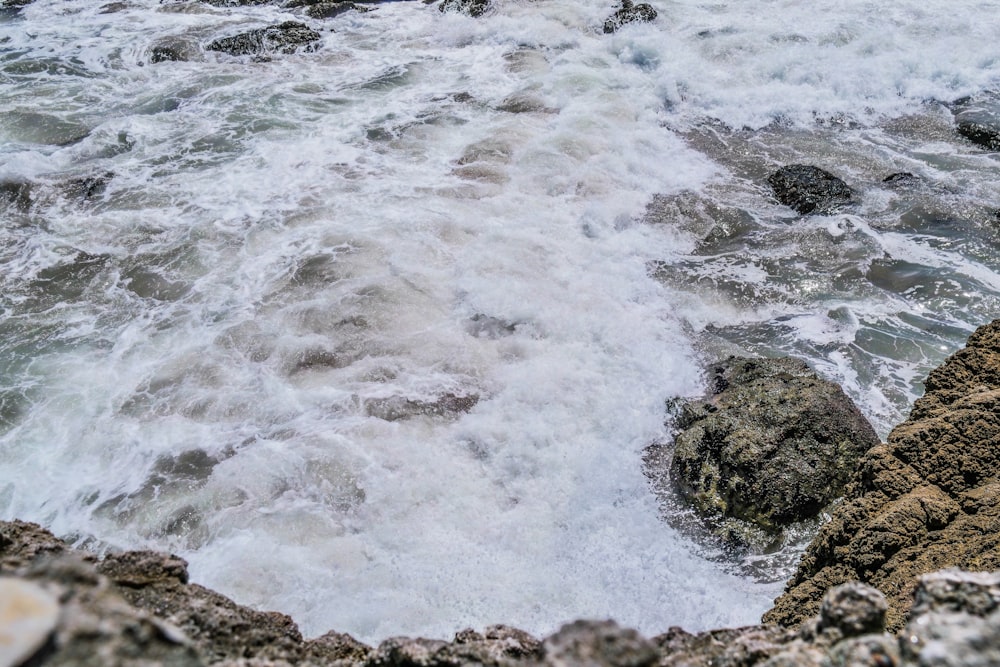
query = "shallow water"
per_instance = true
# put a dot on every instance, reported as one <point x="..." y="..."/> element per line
<point x="376" y="335"/>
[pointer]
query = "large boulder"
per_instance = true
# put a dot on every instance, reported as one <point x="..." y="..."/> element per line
<point x="772" y="444"/>
<point x="928" y="498"/>
<point x="285" y="37"/>
<point x="629" y="12"/>
<point x="809" y="189"/>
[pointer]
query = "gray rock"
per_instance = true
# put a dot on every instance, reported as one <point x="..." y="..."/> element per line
<point x="598" y="644"/>
<point x="629" y="13"/>
<point x="853" y="609"/>
<point x="809" y="189"/>
<point x="771" y="445"/>
<point x="285" y="37"/>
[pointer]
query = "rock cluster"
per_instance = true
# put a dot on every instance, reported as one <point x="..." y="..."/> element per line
<point x="771" y="445"/>
<point x="135" y="608"/>
<point x="928" y="498"/>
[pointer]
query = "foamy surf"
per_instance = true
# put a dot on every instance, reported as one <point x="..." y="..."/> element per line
<point x="376" y="335"/>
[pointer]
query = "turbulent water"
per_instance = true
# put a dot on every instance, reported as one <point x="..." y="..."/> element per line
<point x="376" y="334"/>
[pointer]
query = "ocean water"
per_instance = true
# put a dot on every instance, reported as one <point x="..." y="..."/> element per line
<point x="375" y="335"/>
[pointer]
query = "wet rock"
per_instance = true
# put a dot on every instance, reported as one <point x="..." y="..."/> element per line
<point x="926" y="499"/>
<point x="28" y="617"/>
<point x="17" y="194"/>
<point x="328" y="10"/>
<point x="772" y="444"/>
<point x="173" y="49"/>
<point x="900" y="178"/>
<point x="978" y="120"/>
<point x="981" y="133"/>
<point x="629" y="13"/>
<point x="395" y="408"/>
<point x="809" y="189"/>
<point x="285" y="37"/>
<point x="14" y="5"/>
<point x="598" y="644"/>
<point x="474" y="8"/>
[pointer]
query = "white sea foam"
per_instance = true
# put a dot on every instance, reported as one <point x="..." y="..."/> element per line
<point x="292" y="254"/>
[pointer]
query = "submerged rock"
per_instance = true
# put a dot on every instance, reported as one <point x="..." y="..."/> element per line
<point x="285" y="37"/>
<point x="978" y="120"/>
<point x="809" y="189"/>
<point x="928" y="498"/>
<point x="629" y="13"/>
<point x="771" y="445"/>
<point x="474" y="8"/>
<point x="14" y="5"/>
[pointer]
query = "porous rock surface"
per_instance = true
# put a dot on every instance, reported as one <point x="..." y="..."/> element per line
<point x="809" y="189"/>
<point x="138" y="608"/>
<point x="928" y="498"/>
<point x="772" y="444"/>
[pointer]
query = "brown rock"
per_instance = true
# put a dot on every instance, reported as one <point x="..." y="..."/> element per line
<point x="927" y="499"/>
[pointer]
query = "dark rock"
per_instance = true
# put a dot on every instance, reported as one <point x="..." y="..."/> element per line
<point x="285" y="38"/>
<point x="474" y="8"/>
<point x="978" y="120"/>
<point x="809" y="189"/>
<point x="772" y="444"/>
<point x="629" y="13"/>
<point x="900" y="178"/>
<point x="328" y="10"/>
<point x="983" y="134"/>
<point x="14" y="5"/>
<point x="928" y="498"/>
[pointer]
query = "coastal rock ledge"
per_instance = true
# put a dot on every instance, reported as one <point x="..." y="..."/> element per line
<point x="929" y="498"/>
<point x="63" y="607"/>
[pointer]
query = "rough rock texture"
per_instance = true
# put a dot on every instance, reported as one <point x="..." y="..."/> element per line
<point x="772" y="444"/>
<point x="474" y="8"/>
<point x="328" y="10"/>
<point x="284" y="37"/>
<point x="137" y="609"/>
<point x="928" y="498"/>
<point x="629" y="13"/>
<point x="809" y="189"/>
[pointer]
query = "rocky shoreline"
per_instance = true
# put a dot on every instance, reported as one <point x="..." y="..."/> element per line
<point x="926" y="499"/>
